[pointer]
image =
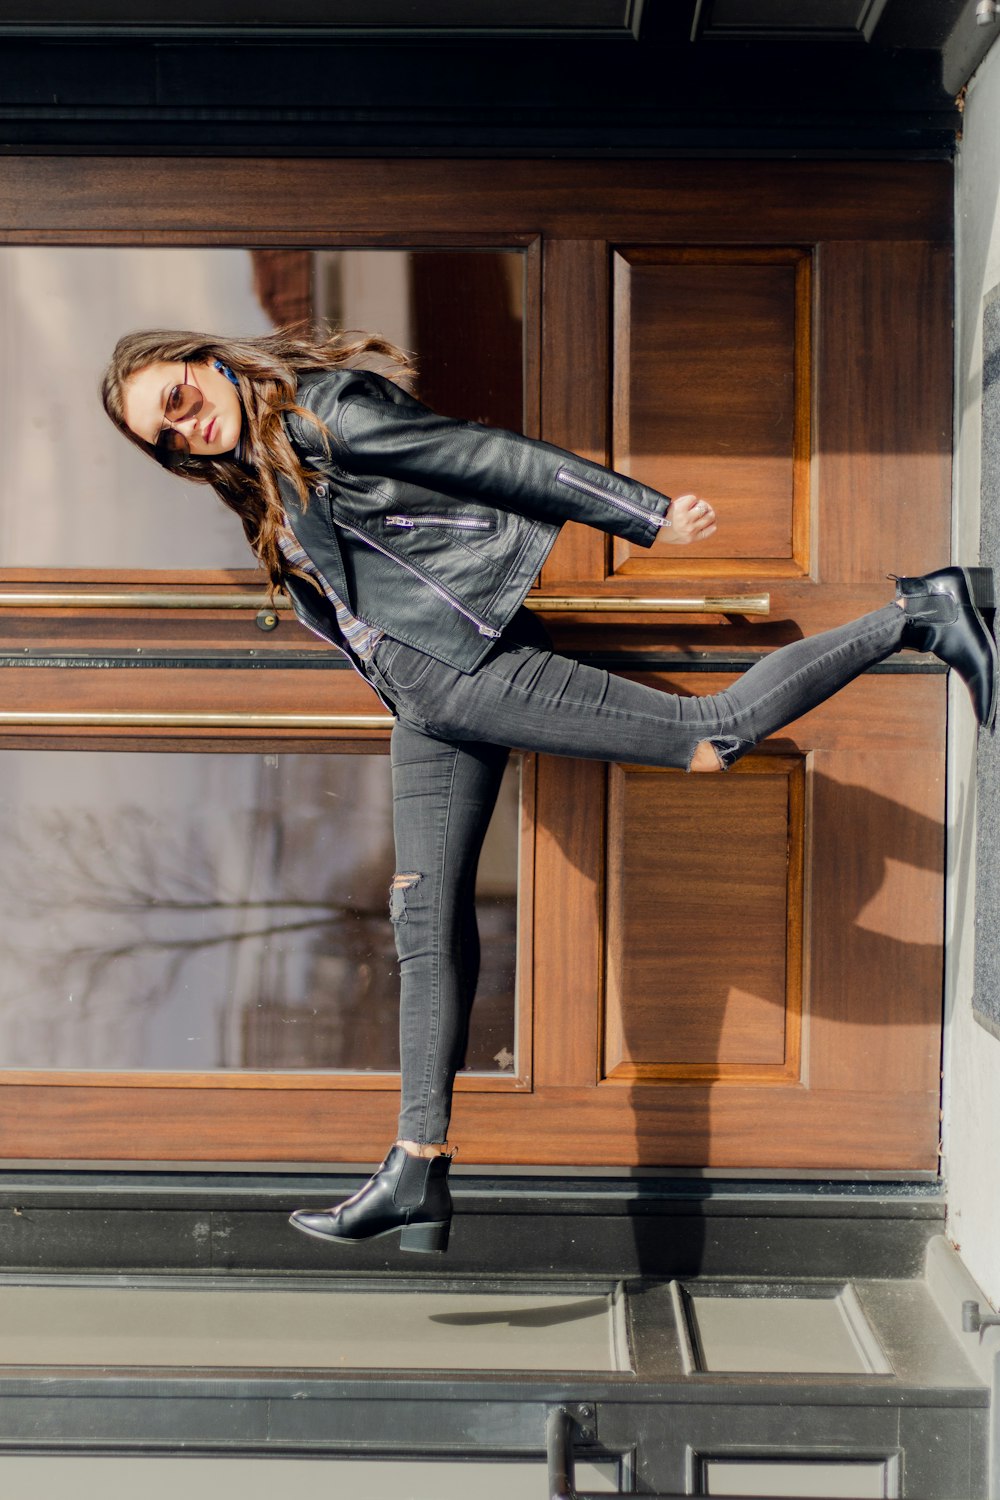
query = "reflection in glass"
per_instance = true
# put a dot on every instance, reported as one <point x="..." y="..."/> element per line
<point x="204" y="912"/>
<point x="75" y="495"/>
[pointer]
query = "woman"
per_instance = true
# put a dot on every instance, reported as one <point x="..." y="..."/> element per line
<point x="410" y="540"/>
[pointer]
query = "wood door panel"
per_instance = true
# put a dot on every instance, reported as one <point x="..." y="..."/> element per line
<point x="712" y="394"/>
<point x="690" y="1126"/>
<point x="704" y="922"/>
<point x="173" y="707"/>
<point x="695" y="1125"/>
<point x="867" y="829"/>
<point x="229" y="690"/>
<point x="273" y="201"/>
<point x="859" y="484"/>
<point x="865" y="1096"/>
<point x="783" y="1018"/>
<point x="876" y="915"/>
<point x="883" y="429"/>
<point x="575" y="336"/>
<point x="569" y="858"/>
<point x="904" y="710"/>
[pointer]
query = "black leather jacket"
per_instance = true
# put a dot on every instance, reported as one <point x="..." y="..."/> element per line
<point x="434" y="529"/>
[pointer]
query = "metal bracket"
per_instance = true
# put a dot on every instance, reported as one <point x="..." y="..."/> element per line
<point x="560" y="1425"/>
<point x="974" y="1319"/>
<point x="584" y="1419"/>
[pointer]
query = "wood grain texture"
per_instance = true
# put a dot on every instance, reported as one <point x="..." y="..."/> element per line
<point x="576" y="374"/>
<point x="876" y="916"/>
<point x="377" y="201"/>
<point x="870" y="1100"/>
<point x="472" y="304"/>
<point x="869" y="832"/>
<point x="672" y="207"/>
<point x="524" y="998"/>
<point x="901" y="713"/>
<point x="38" y="629"/>
<point x="711" y="381"/>
<point x="568" y="921"/>
<point x="869" y="1089"/>
<point x="704" y="955"/>
<point x="880" y="467"/>
<point x="142" y="689"/>
<point x="884" y="409"/>
<point x="689" y="1126"/>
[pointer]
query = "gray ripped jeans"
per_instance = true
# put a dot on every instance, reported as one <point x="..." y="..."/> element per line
<point x="449" y="749"/>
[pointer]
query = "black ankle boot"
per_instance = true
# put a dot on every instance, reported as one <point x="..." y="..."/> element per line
<point x="408" y="1193"/>
<point x="951" y="612"/>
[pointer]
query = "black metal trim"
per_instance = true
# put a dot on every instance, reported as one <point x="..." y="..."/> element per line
<point x="908" y="665"/>
<point x="384" y="21"/>
<point x="561" y="1425"/>
<point x="473" y="1388"/>
<point x="279" y="35"/>
<point x="256" y="95"/>
<point x="508" y="1228"/>
<point x="82" y="133"/>
<point x="560" y="1191"/>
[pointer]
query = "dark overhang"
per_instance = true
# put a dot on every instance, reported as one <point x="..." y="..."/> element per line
<point x="297" y="20"/>
<point x="489" y="77"/>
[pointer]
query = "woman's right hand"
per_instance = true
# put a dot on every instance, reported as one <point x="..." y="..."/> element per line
<point x="691" y="520"/>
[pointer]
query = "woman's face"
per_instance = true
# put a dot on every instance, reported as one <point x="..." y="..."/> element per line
<point x="151" y="392"/>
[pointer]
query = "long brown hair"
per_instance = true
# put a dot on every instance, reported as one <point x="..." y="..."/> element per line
<point x="266" y="370"/>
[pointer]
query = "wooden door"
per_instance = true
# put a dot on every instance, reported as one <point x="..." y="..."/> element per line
<point x="733" y="972"/>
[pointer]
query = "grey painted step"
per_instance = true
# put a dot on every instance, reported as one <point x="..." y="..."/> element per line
<point x="223" y="1326"/>
<point x="87" y="1478"/>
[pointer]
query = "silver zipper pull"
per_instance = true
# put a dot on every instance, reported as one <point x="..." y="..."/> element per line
<point x="403" y="522"/>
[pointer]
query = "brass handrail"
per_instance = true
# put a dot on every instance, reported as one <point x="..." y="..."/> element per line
<point x="707" y="604"/>
<point x="123" y="599"/>
<point x="193" y="719"/>
<point x="711" y="604"/>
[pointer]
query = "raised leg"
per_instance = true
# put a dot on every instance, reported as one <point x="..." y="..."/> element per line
<point x="534" y="699"/>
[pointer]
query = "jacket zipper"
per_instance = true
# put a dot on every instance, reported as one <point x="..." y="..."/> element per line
<point x="460" y="523"/>
<point x="431" y="583"/>
<point x="566" y="476"/>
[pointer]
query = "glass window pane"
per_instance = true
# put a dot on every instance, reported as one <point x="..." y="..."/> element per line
<point x="74" y="494"/>
<point x="217" y="912"/>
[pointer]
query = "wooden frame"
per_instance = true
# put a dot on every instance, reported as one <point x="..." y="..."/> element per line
<point x="621" y="1073"/>
<point x="519" y="1081"/>
<point x="878" y="236"/>
<point x="621" y="562"/>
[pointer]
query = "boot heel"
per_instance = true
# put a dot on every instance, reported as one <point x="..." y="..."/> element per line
<point x="426" y="1239"/>
<point x="980" y="581"/>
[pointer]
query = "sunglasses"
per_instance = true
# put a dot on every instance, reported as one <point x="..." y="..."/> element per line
<point x="183" y="401"/>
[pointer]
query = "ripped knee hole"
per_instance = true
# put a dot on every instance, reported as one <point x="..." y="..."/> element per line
<point x="397" y="895"/>
<point x="717" y="754"/>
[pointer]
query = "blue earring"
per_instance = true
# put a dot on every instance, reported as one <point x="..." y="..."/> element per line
<point x="238" y="453"/>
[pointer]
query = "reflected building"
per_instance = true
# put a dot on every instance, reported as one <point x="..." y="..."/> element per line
<point x="203" y="912"/>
